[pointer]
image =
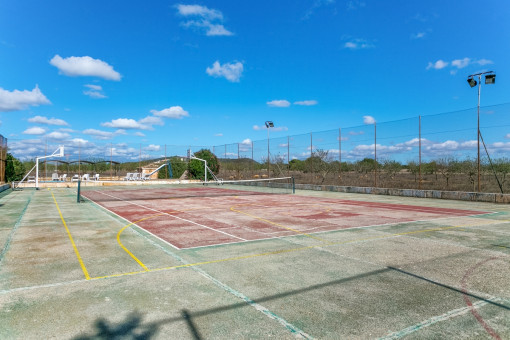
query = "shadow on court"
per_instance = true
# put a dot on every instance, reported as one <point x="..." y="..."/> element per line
<point x="134" y="328"/>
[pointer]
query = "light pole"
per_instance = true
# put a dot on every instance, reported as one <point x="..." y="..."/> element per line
<point x="269" y="124"/>
<point x="490" y="78"/>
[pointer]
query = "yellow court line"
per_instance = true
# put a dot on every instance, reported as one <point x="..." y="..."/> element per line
<point x="276" y="224"/>
<point x="85" y="272"/>
<point x="127" y="250"/>
<point x="290" y="250"/>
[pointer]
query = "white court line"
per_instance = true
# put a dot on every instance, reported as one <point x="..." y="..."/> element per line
<point x="136" y="225"/>
<point x="177" y="217"/>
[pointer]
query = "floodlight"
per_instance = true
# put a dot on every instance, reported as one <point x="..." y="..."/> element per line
<point x="490" y="79"/>
<point x="269" y="124"/>
<point x="471" y="82"/>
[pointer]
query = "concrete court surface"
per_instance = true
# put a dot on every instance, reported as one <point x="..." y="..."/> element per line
<point x="80" y="271"/>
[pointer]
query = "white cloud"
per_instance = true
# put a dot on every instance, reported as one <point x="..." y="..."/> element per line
<point x="201" y="11"/>
<point x="103" y="135"/>
<point x="458" y="63"/>
<point x="173" y="112"/>
<point x="368" y="120"/>
<point x="84" y="66"/>
<point x="152" y="147"/>
<point x="231" y="71"/>
<point x="19" y="100"/>
<point x="94" y="91"/>
<point x="208" y="20"/>
<point x="247" y="141"/>
<point x="461" y="63"/>
<point x="218" y="135"/>
<point x="58" y="135"/>
<point x="440" y="64"/>
<point x="139" y="134"/>
<point x="317" y="4"/>
<point x="48" y="121"/>
<point x="278" y="103"/>
<point x="94" y="94"/>
<point x="66" y="130"/>
<point x="151" y="120"/>
<point x="418" y="35"/>
<point x="79" y="142"/>
<point x="125" y="123"/>
<point x="358" y="44"/>
<point x="94" y="87"/>
<point x="483" y="62"/>
<point x="306" y="102"/>
<point x="34" y="131"/>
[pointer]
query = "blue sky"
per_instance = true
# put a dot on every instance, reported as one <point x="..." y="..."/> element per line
<point x="212" y="72"/>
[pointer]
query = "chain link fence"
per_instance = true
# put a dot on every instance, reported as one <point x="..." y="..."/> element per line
<point x="437" y="152"/>
<point x="3" y="158"/>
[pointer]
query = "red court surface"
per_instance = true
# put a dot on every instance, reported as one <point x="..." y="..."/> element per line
<point x="188" y="222"/>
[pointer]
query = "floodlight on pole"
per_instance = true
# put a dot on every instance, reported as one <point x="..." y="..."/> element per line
<point x="490" y="78"/>
<point x="269" y="124"/>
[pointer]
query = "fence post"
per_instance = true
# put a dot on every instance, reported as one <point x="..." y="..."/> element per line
<point x="419" y="152"/>
<point x="311" y="158"/>
<point x="375" y="154"/>
<point x="111" y="161"/>
<point x="288" y="155"/>
<point x="340" y="156"/>
<point x="78" y="192"/>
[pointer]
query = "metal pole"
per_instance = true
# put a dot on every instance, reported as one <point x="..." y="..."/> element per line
<point x="37" y="173"/>
<point x="375" y="154"/>
<point x="111" y="161"/>
<point x="288" y="155"/>
<point x="311" y="157"/>
<point x="268" y="172"/>
<point x="419" y="152"/>
<point x="478" y="129"/>
<point x="340" y="155"/>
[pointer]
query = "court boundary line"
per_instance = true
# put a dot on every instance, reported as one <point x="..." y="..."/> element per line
<point x="282" y="251"/>
<point x="127" y="250"/>
<point x="80" y="260"/>
<point x="177" y="217"/>
<point x="333" y="231"/>
<point x="438" y="318"/>
<point x="108" y="211"/>
<point x="15" y="228"/>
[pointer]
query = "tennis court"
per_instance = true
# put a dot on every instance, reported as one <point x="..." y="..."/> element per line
<point x="248" y="261"/>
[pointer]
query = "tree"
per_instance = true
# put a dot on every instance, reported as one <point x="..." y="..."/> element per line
<point x="414" y="168"/>
<point x="366" y="165"/>
<point x="391" y="167"/>
<point x="319" y="163"/>
<point x="196" y="167"/>
<point x="296" y="165"/>
<point x="14" y="169"/>
<point x="448" y="166"/>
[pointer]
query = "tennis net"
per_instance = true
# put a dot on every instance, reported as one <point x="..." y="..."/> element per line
<point x="144" y="191"/>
